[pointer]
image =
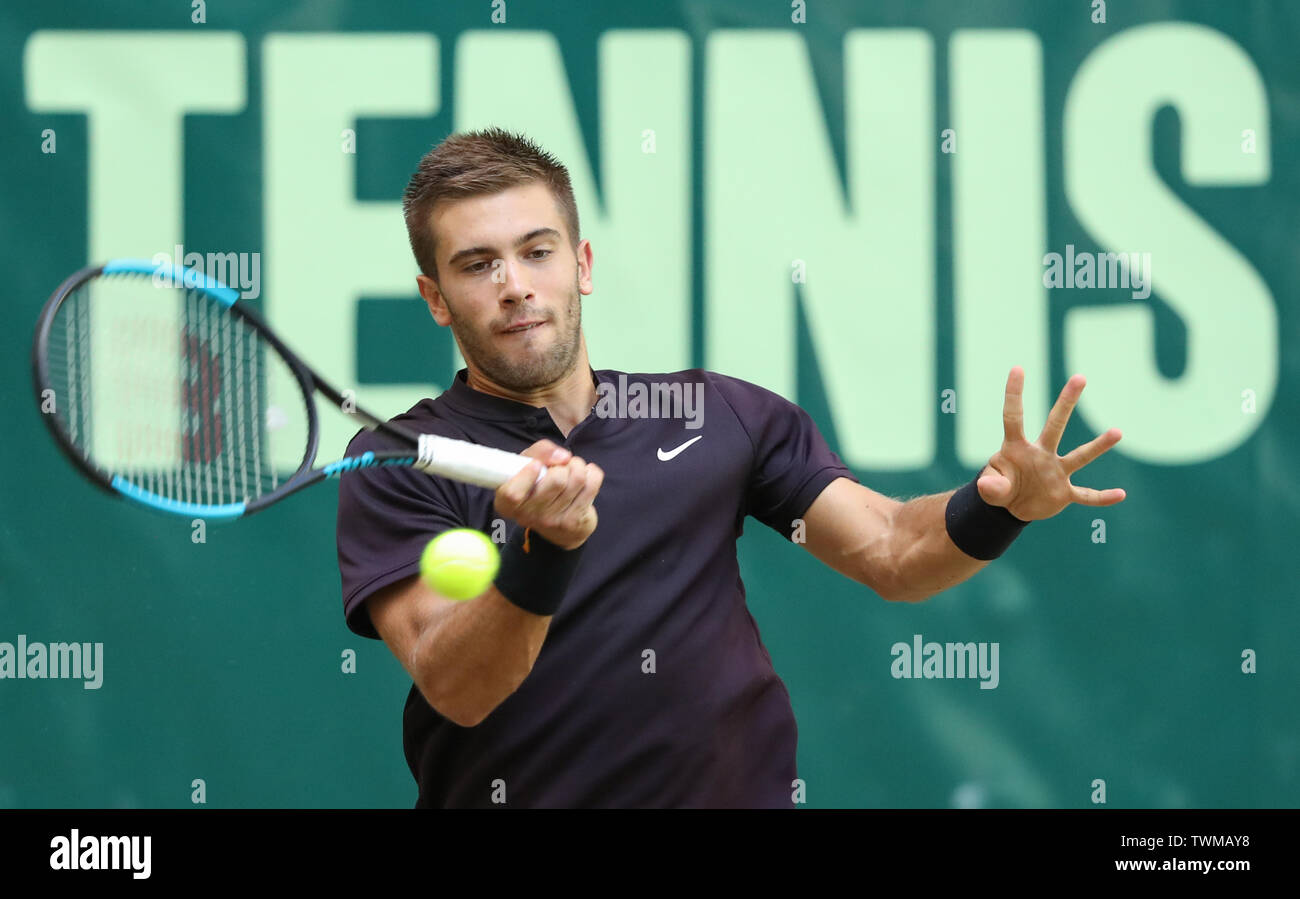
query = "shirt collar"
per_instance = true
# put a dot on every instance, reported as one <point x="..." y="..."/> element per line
<point x="475" y="403"/>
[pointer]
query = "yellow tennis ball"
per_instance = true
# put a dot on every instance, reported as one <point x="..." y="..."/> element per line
<point x="460" y="563"/>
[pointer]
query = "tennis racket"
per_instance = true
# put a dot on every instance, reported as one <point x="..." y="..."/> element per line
<point x="163" y="389"/>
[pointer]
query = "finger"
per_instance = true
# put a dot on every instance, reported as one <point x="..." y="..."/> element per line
<point x="576" y="472"/>
<point x="1081" y="456"/>
<point x="1086" y="496"/>
<point x="545" y="451"/>
<point x="1050" y="439"/>
<point x="545" y="492"/>
<point x="994" y="488"/>
<point x="578" y="509"/>
<point x="511" y="495"/>
<point x="1013" y="414"/>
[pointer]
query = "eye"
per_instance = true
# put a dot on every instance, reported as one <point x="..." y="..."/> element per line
<point x="544" y="253"/>
<point x="475" y="267"/>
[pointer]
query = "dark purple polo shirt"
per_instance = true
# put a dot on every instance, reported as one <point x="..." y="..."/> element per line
<point x="594" y="724"/>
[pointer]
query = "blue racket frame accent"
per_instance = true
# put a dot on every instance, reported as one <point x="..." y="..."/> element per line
<point x="174" y="276"/>
<point x="176" y="507"/>
<point x="367" y="459"/>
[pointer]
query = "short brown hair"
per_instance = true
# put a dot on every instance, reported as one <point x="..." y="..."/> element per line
<point x="475" y="163"/>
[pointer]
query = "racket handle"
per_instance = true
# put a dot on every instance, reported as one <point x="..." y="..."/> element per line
<point x="469" y="462"/>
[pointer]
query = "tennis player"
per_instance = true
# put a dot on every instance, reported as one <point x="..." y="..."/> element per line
<point x="614" y="663"/>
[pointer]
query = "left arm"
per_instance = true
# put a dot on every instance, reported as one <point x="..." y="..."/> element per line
<point x="902" y="550"/>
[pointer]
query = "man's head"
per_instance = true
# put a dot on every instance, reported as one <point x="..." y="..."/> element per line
<point x="494" y="228"/>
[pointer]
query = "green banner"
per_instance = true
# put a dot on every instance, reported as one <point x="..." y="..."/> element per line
<point x="873" y="209"/>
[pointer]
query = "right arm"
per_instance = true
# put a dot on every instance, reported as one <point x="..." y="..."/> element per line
<point x="467" y="657"/>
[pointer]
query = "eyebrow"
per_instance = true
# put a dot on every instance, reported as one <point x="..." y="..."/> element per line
<point x="519" y="242"/>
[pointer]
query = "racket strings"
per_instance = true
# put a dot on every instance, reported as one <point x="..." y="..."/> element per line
<point x="188" y="402"/>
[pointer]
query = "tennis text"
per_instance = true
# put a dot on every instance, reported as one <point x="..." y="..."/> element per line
<point x="859" y="233"/>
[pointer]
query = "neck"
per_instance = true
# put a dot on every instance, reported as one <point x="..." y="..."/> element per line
<point x="568" y="399"/>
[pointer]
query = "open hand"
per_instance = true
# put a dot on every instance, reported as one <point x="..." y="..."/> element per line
<point x="1029" y="479"/>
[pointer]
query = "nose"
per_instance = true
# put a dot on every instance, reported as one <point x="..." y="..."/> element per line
<point x="514" y="288"/>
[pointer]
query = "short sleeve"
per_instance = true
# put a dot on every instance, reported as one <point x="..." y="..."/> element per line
<point x="792" y="462"/>
<point x="386" y="517"/>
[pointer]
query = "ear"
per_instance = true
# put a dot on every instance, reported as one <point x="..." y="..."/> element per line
<point x="434" y="299"/>
<point x="584" y="255"/>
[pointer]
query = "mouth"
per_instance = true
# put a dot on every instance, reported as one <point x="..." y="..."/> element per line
<point x="523" y="327"/>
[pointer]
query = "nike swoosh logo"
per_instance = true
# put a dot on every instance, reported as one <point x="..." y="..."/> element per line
<point x="672" y="454"/>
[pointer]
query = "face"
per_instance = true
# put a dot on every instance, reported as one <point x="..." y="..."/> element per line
<point x="510" y="285"/>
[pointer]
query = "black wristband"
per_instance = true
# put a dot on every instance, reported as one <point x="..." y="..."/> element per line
<point x="980" y="530"/>
<point x="535" y="573"/>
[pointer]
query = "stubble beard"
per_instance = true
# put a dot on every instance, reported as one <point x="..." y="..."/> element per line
<point x="534" y="370"/>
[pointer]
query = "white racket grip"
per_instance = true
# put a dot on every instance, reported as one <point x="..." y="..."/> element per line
<point x="469" y="462"/>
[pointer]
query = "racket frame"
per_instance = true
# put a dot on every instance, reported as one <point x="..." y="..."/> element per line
<point x="308" y="382"/>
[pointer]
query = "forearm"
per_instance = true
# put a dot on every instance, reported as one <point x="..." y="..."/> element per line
<point x="926" y="561"/>
<point x="472" y="655"/>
